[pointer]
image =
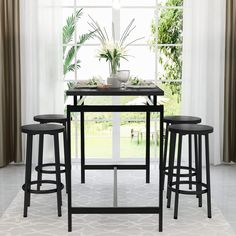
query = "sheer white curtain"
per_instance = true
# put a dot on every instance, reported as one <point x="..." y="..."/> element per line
<point x="203" y="66"/>
<point x="41" y="57"/>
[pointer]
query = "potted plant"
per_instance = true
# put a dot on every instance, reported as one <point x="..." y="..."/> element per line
<point x="112" y="50"/>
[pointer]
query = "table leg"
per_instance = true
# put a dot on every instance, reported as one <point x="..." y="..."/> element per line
<point x="115" y="195"/>
<point x="161" y="173"/>
<point x="68" y="168"/>
<point x="147" y="147"/>
<point x="82" y="147"/>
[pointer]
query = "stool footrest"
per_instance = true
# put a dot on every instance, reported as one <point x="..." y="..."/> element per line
<point x="41" y="170"/>
<point x="182" y="168"/>
<point x="189" y="192"/>
<point x="54" y="190"/>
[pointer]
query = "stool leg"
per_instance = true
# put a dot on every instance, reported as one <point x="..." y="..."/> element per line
<point x="58" y="174"/>
<point x="200" y="169"/>
<point x="65" y="154"/>
<point x="170" y="167"/>
<point x="165" y="153"/>
<point x="178" y="178"/>
<point x="190" y="160"/>
<point x="28" y="173"/>
<point x="40" y="160"/>
<point x="208" y="177"/>
<point x="196" y="162"/>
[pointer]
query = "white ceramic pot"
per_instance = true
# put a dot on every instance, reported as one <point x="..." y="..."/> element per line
<point x="113" y="81"/>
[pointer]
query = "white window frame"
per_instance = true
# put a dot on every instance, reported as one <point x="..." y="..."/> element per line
<point x="115" y="100"/>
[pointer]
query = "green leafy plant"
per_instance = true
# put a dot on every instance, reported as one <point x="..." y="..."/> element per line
<point x="69" y="52"/>
<point x="170" y="29"/>
<point x="111" y="50"/>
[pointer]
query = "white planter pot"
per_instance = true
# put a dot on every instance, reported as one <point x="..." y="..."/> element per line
<point x="113" y="82"/>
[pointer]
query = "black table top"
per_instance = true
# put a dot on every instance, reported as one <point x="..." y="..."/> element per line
<point x="115" y="92"/>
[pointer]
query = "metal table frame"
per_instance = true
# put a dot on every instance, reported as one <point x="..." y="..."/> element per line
<point x="78" y="106"/>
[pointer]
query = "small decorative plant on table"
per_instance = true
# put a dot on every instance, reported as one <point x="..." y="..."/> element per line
<point x="113" y="50"/>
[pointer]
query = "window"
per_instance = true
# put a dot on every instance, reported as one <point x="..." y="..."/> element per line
<point x="158" y="56"/>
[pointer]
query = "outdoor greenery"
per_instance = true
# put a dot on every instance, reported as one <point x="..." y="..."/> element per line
<point x="70" y="52"/>
<point x="170" y="29"/>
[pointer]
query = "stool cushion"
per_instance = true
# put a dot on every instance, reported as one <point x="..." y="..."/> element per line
<point x="191" y="129"/>
<point x="182" y="119"/>
<point x="51" y="118"/>
<point x="42" y="129"/>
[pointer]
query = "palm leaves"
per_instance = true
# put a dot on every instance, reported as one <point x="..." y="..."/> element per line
<point x="70" y="54"/>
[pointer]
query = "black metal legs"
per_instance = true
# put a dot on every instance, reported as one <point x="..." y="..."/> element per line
<point x="40" y="160"/>
<point x="201" y="187"/>
<point x="189" y="168"/>
<point x="27" y="185"/>
<point x="199" y="170"/>
<point x="148" y="147"/>
<point x="190" y="160"/>
<point x="178" y="178"/>
<point x="82" y="147"/>
<point x="65" y="153"/>
<point x="165" y="153"/>
<point x="208" y="177"/>
<point x="196" y="163"/>
<point x="28" y="173"/>
<point x="161" y="170"/>
<point x="171" y="167"/>
<point x="40" y="167"/>
<point x="58" y="174"/>
<point x="68" y="169"/>
<point x="117" y="209"/>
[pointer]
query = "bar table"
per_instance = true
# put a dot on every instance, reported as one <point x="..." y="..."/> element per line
<point x="79" y="96"/>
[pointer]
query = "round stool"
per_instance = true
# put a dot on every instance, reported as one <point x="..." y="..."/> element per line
<point x="170" y="120"/>
<point x="197" y="131"/>
<point x="42" y="129"/>
<point x="50" y="118"/>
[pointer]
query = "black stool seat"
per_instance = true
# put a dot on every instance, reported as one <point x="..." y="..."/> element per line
<point x="51" y="118"/>
<point x="191" y="129"/>
<point x="42" y="129"/>
<point x="182" y="119"/>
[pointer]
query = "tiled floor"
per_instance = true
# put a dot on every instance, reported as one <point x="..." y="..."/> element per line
<point x="223" y="180"/>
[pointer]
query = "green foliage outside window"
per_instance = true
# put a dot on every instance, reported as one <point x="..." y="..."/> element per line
<point x="170" y="29"/>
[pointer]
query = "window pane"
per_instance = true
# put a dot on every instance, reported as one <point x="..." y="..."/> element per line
<point x="141" y="62"/>
<point x="98" y="139"/>
<point x="172" y="102"/>
<point x="94" y="2"/>
<point x="90" y="64"/>
<point x="143" y="19"/>
<point x="133" y="139"/>
<point x="171" y="2"/>
<point x="138" y="3"/>
<point x="170" y="26"/>
<point x="67" y="2"/>
<point x="101" y="15"/>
